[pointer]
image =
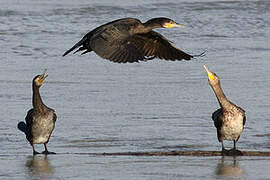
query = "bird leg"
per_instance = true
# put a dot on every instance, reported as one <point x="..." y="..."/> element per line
<point x="223" y="148"/>
<point x="46" y="150"/>
<point x="34" y="151"/>
<point x="224" y="151"/>
<point x="234" y="147"/>
<point x="234" y="150"/>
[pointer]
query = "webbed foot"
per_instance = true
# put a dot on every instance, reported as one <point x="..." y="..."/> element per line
<point x="48" y="152"/>
<point x="35" y="153"/>
<point x="235" y="152"/>
<point x="224" y="151"/>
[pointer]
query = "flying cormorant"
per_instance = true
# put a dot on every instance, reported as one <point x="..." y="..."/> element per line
<point x="40" y="120"/>
<point x="230" y="118"/>
<point x="130" y="40"/>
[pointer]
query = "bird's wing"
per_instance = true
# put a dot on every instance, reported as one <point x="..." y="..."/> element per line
<point x="244" y="120"/>
<point x="154" y="44"/>
<point x="116" y="46"/>
<point x="216" y="118"/>
<point x="54" y="117"/>
<point x="29" y="123"/>
<point x="84" y="43"/>
<point x="29" y="118"/>
<point x="243" y="113"/>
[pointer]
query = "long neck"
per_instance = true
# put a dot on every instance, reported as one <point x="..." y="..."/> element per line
<point x="223" y="101"/>
<point x="149" y="25"/>
<point x="36" y="100"/>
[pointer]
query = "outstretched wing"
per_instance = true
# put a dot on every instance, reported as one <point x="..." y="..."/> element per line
<point x="116" y="46"/>
<point x="154" y="44"/>
<point x="94" y="35"/>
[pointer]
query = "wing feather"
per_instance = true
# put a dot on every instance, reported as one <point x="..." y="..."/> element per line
<point x="113" y="45"/>
<point x="120" y="47"/>
<point x="154" y="44"/>
<point x="216" y="118"/>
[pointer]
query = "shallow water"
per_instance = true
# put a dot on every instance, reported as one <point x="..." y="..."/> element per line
<point x="150" y="106"/>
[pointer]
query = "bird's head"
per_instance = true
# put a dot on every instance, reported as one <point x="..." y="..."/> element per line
<point x="39" y="79"/>
<point x="169" y="23"/>
<point x="213" y="79"/>
<point x="163" y="22"/>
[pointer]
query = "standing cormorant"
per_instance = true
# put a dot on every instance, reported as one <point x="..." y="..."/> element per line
<point x="230" y="118"/>
<point x="40" y="120"/>
<point x="130" y="40"/>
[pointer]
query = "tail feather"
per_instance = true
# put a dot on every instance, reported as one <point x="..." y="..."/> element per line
<point x="80" y="49"/>
<point x="85" y="52"/>
<point x="22" y="126"/>
<point x="75" y="46"/>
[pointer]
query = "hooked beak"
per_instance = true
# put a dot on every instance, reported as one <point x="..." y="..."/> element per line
<point x="179" y="25"/>
<point x="209" y="73"/>
<point x="174" y="25"/>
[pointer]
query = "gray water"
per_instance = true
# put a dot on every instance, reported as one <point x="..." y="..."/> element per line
<point x="141" y="107"/>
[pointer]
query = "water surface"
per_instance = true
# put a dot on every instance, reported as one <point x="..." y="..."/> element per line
<point x="150" y="106"/>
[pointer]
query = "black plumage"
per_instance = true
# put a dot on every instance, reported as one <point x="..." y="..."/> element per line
<point x="40" y="120"/>
<point x="230" y="118"/>
<point x="130" y="40"/>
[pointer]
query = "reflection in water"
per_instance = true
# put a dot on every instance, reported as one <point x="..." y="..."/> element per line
<point x="229" y="168"/>
<point x="39" y="166"/>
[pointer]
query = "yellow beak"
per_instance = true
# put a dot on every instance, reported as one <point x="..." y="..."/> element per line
<point x="43" y="76"/>
<point x="170" y="25"/>
<point x="209" y="73"/>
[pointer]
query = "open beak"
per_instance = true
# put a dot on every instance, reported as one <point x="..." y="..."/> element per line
<point x="43" y="75"/>
<point x="209" y="73"/>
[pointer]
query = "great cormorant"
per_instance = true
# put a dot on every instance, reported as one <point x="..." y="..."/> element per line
<point x="230" y="118"/>
<point x="130" y="40"/>
<point x="40" y="120"/>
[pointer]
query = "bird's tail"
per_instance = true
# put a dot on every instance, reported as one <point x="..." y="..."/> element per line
<point x="22" y="126"/>
<point x="75" y="46"/>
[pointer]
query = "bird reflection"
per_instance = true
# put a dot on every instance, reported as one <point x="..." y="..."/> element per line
<point x="39" y="166"/>
<point x="229" y="168"/>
